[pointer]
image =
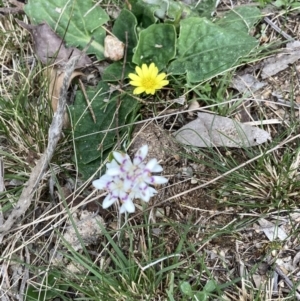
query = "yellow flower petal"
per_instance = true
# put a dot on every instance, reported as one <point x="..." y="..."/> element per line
<point x="139" y="71"/>
<point x="162" y="83"/>
<point x="145" y="70"/>
<point x="138" y="90"/>
<point x="147" y="79"/>
<point x="150" y="91"/>
<point x="160" y="76"/>
<point x="153" y="70"/>
<point x="135" y="83"/>
<point x="134" y="77"/>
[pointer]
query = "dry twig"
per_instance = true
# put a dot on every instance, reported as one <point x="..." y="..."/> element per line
<point x="276" y="28"/>
<point x="41" y="166"/>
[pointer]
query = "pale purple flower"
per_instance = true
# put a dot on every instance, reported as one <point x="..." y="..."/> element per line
<point x="126" y="180"/>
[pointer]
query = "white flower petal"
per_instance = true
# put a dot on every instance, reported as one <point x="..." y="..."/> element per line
<point x="160" y="180"/>
<point x="151" y="164"/>
<point x="127" y="184"/>
<point x="145" y="196"/>
<point x="127" y="206"/>
<point x="112" y="164"/>
<point x="156" y="180"/>
<point x="127" y="166"/>
<point x="157" y="168"/>
<point x="152" y="191"/>
<point x="144" y="192"/>
<point x="113" y="171"/>
<point x="140" y="155"/>
<point x="108" y="201"/>
<point x="102" y="182"/>
<point x="121" y="157"/>
<point x="122" y="209"/>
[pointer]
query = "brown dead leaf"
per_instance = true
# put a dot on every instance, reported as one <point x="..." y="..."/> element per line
<point x="247" y="83"/>
<point x="281" y="61"/>
<point x="210" y="130"/>
<point x="49" y="47"/>
<point x="56" y="77"/>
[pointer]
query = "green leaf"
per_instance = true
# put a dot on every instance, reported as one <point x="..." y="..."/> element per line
<point x="143" y="12"/>
<point x="242" y="18"/>
<point x="115" y="70"/>
<point x="169" y="11"/>
<point x="210" y="286"/>
<point x="156" y="44"/>
<point x="94" y="140"/>
<point x="201" y="296"/>
<point x="173" y="12"/>
<point x="76" y="21"/>
<point x="279" y="3"/>
<point x="124" y="25"/>
<point x="206" y="8"/>
<point x="186" y="288"/>
<point x="205" y="49"/>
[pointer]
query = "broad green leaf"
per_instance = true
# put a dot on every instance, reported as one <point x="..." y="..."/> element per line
<point x="169" y="11"/>
<point x="206" y="8"/>
<point x="115" y="70"/>
<point x="210" y="286"/>
<point x="242" y="18"/>
<point x="156" y="44"/>
<point x="125" y="30"/>
<point x="201" y="296"/>
<point x="75" y="21"/>
<point x="205" y="49"/>
<point x="144" y="13"/>
<point x="186" y="288"/>
<point x="94" y="140"/>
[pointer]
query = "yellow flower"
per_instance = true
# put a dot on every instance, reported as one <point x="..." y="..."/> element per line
<point x="147" y="79"/>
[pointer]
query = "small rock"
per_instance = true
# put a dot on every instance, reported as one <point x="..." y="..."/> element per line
<point x="113" y="48"/>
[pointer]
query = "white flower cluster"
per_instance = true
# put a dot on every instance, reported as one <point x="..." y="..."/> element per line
<point x="125" y="180"/>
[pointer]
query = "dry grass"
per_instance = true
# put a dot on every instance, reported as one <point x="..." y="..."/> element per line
<point x="203" y="226"/>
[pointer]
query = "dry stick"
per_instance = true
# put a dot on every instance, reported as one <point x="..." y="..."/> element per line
<point x="19" y="9"/>
<point x="276" y="28"/>
<point x="118" y="104"/>
<point x="25" y="275"/>
<point x="42" y="164"/>
<point x="288" y="282"/>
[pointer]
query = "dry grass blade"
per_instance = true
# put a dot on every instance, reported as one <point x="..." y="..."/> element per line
<point x="41" y="166"/>
<point x="2" y="188"/>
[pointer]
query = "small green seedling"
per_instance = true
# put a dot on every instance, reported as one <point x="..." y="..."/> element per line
<point x="203" y="295"/>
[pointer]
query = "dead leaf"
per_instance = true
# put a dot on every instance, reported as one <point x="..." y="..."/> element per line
<point x="210" y="130"/>
<point x="180" y="100"/>
<point x="247" y="83"/>
<point x="50" y="49"/>
<point x="56" y="77"/>
<point x="296" y="260"/>
<point x="272" y="231"/>
<point x="193" y="105"/>
<point x="281" y="61"/>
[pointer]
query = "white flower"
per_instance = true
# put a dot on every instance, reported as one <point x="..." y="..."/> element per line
<point x="126" y="180"/>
